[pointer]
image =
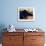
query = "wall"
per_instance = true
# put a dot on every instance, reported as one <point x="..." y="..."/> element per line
<point x="9" y="13"/>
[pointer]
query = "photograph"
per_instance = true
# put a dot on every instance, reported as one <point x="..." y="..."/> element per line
<point x="26" y="14"/>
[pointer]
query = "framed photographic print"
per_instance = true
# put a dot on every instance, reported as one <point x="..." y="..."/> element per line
<point x="26" y="14"/>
